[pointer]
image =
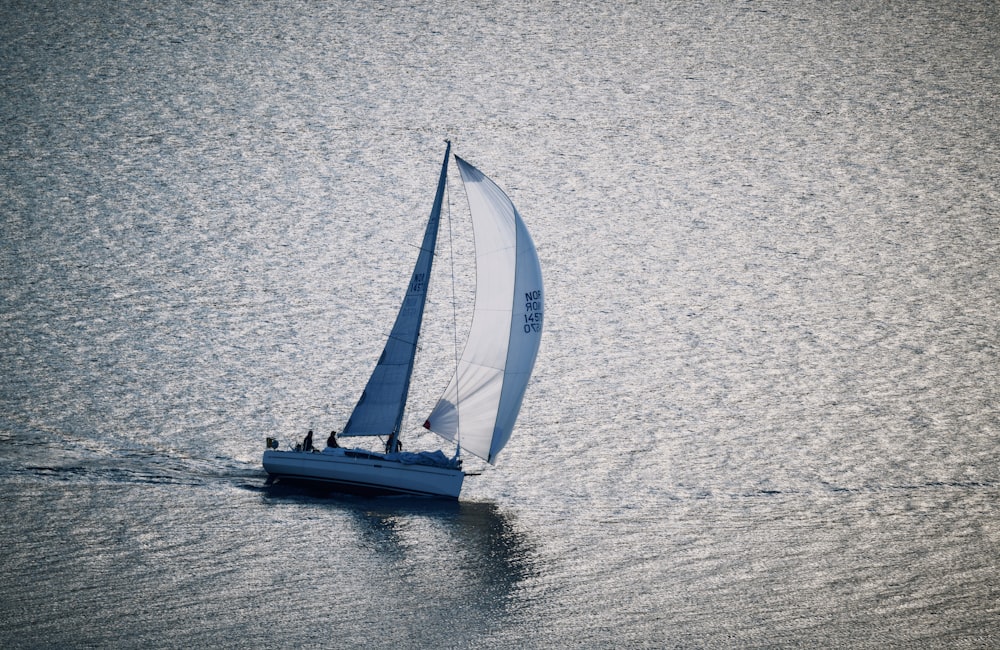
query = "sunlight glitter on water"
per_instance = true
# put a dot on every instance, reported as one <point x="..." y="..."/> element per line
<point x="764" y="409"/>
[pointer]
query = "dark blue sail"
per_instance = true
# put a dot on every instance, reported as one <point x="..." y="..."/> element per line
<point x="379" y="411"/>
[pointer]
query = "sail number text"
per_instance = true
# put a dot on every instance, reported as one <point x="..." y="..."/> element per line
<point x="533" y="311"/>
<point x="418" y="283"/>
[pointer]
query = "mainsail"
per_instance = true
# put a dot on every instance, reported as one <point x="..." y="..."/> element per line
<point x="480" y="405"/>
<point x="379" y="411"/>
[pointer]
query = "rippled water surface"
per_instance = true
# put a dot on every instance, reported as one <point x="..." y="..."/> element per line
<point x="765" y="412"/>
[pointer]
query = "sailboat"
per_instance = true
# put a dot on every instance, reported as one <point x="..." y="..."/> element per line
<point x="480" y="404"/>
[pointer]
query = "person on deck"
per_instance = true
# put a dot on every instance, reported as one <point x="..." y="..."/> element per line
<point x="332" y="440"/>
<point x="307" y="444"/>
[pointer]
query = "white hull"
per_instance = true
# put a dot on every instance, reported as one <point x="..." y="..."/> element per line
<point x="366" y="472"/>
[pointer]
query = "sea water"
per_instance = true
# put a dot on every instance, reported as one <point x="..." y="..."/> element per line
<point x="765" y="411"/>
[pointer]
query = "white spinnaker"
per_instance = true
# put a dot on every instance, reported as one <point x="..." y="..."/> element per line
<point x="480" y="405"/>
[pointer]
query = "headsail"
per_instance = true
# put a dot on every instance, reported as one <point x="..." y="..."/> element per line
<point x="481" y="403"/>
<point x="379" y="411"/>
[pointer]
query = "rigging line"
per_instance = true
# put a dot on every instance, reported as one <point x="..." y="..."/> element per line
<point x="454" y="323"/>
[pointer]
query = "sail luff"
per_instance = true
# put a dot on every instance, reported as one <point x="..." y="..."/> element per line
<point x="526" y="325"/>
<point x="380" y="408"/>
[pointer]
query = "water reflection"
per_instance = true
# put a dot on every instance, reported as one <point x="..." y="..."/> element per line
<point x="480" y="543"/>
<point x="474" y="554"/>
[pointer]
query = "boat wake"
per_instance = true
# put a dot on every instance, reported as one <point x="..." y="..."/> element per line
<point x="142" y="467"/>
<point x="40" y="454"/>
